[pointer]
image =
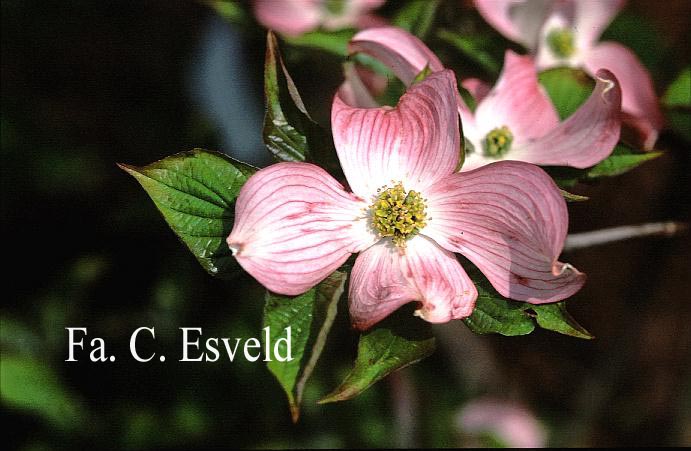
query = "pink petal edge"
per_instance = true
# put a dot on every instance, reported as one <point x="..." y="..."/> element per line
<point x="518" y="20"/>
<point x="510" y="220"/>
<point x="586" y="137"/>
<point x="354" y="13"/>
<point x="592" y="18"/>
<point x="295" y="225"/>
<point x="639" y="100"/>
<point x="517" y="101"/>
<point x="477" y="88"/>
<point x="289" y="17"/>
<point x="354" y="90"/>
<point x="402" y="52"/>
<point x="384" y="278"/>
<point x="416" y="143"/>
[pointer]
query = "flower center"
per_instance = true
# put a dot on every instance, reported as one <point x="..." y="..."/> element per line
<point x="560" y="42"/>
<point x="497" y="142"/>
<point x="398" y="213"/>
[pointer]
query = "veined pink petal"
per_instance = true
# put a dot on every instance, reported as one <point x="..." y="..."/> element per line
<point x="402" y="52"/>
<point x="446" y="292"/>
<point x="585" y="138"/>
<point x="518" y="102"/>
<point x="383" y="279"/>
<point x="592" y="18"/>
<point x="518" y="20"/>
<point x="377" y="285"/>
<point x="638" y="92"/>
<point x="295" y="225"/>
<point x="416" y="143"/>
<point x="289" y="17"/>
<point x="510" y="220"/>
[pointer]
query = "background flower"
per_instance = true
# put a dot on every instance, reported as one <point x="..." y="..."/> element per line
<point x="515" y="111"/>
<point x="512" y="424"/>
<point x="296" y="17"/>
<point x="566" y="33"/>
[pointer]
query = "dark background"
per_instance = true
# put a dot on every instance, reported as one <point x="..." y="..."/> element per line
<point x="88" y="84"/>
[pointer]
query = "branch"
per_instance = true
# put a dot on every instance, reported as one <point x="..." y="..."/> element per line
<point x="614" y="234"/>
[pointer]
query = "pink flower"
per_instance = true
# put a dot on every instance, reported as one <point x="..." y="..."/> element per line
<point x="408" y="213"/>
<point x="566" y="33"/>
<point x="513" y="120"/>
<point x="513" y="424"/>
<point x="296" y="17"/>
<point x="516" y="120"/>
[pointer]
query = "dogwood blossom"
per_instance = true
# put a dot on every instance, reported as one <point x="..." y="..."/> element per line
<point x="512" y="423"/>
<point x="296" y="17"/>
<point x="513" y="120"/>
<point x="566" y="33"/>
<point x="409" y="212"/>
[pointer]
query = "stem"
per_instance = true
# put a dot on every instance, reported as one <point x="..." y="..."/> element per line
<point x="404" y="408"/>
<point x="614" y="234"/>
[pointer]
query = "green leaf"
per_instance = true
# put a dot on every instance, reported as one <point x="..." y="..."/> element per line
<point x="230" y="10"/>
<point x="393" y="344"/>
<point x="32" y="385"/>
<point x="286" y="120"/>
<point x="310" y="317"/>
<point x="555" y="317"/>
<point x="567" y="88"/>
<point x="622" y="160"/>
<point x="416" y="17"/>
<point x="335" y="42"/>
<point x="474" y="47"/>
<point x="496" y="314"/>
<point x="678" y="93"/>
<point x="195" y="192"/>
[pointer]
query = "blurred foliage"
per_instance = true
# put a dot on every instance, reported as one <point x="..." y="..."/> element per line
<point x="416" y="17"/>
<point x="677" y="100"/>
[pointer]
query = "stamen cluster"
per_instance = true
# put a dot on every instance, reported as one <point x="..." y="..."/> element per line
<point x="398" y="213"/>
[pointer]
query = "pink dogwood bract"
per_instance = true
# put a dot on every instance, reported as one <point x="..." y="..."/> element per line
<point x="566" y="33"/>
<point x="296" y="17"/>
<point x="513" y="424"/>
<point x="408" y="213"/>
<point x="513" y="120"/>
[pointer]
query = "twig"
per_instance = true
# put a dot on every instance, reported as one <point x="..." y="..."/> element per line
<point x="405" y="405"/>
<point x="614" y="234"/>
